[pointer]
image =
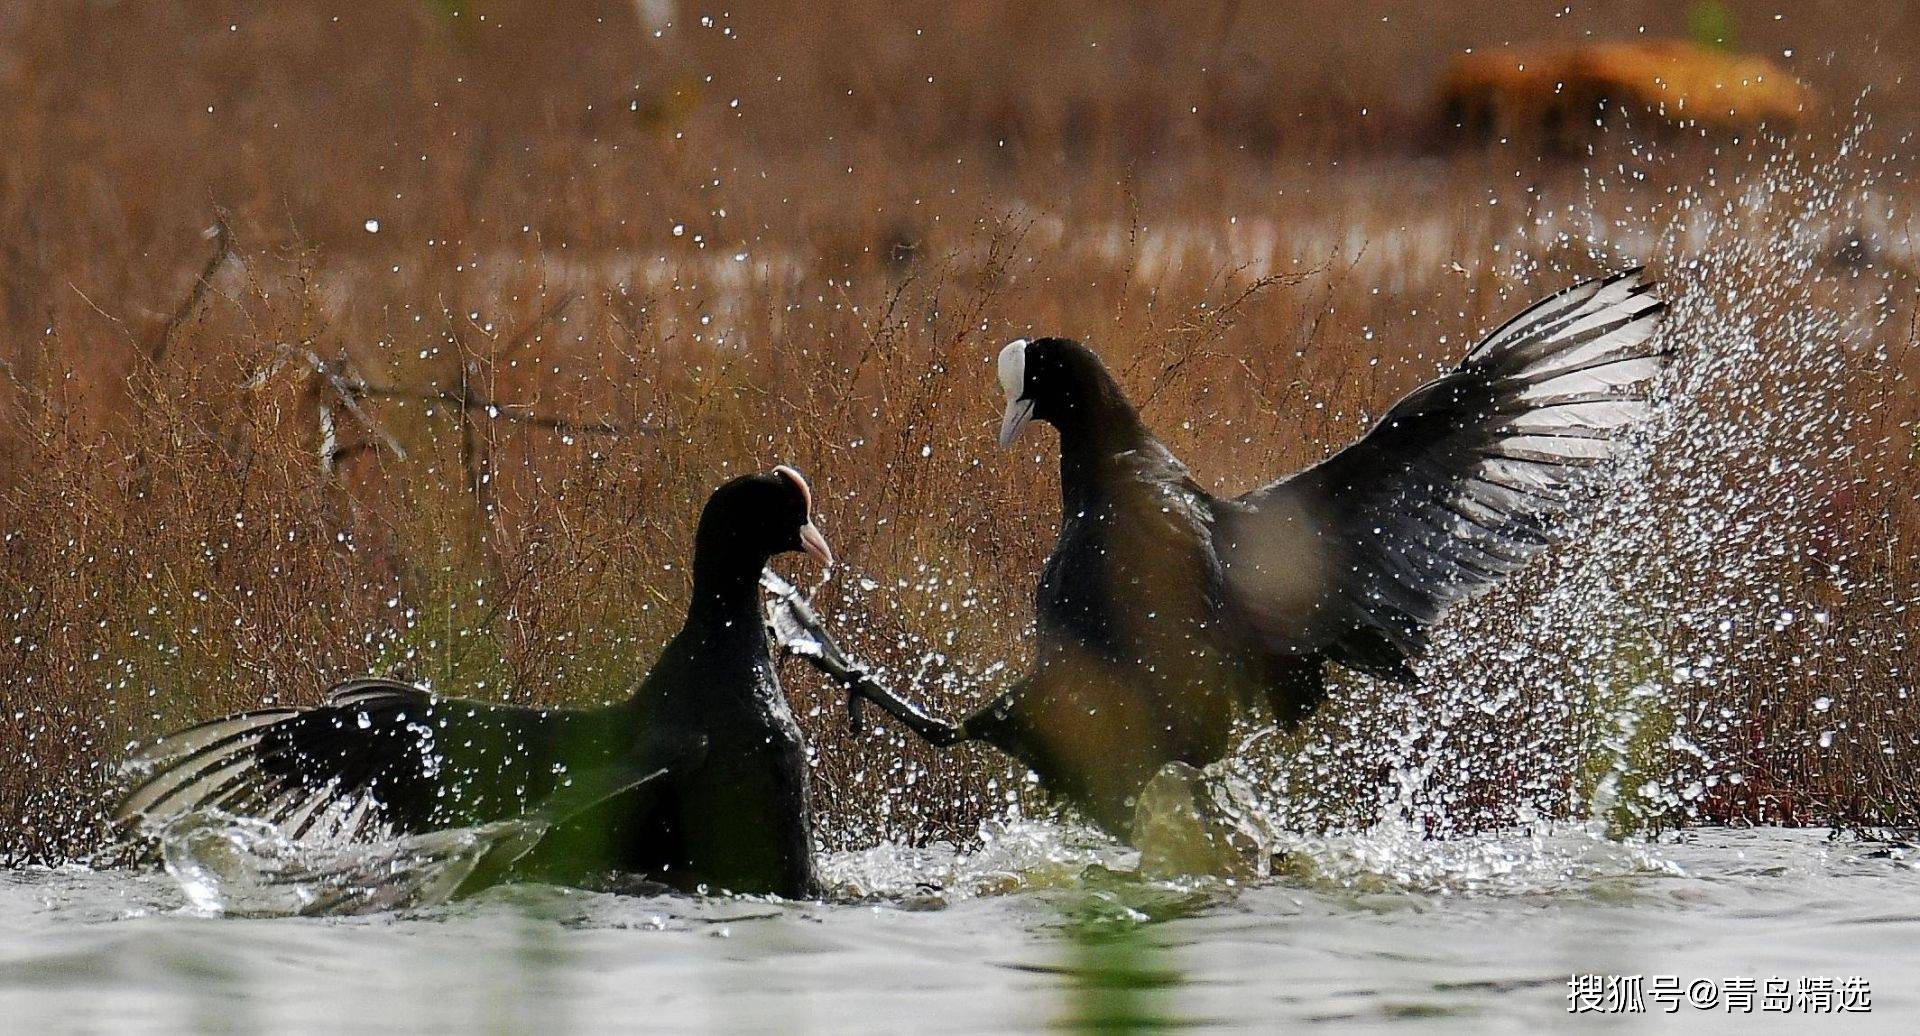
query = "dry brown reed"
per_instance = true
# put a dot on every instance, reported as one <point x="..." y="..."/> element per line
<point x="499" y="292"/>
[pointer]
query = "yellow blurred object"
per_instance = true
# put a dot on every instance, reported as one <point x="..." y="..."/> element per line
<point x="1562" y="92"/>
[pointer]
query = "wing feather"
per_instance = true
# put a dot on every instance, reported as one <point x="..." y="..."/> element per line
<point x="1459" y="485"/>
<point x="378" y="754"/>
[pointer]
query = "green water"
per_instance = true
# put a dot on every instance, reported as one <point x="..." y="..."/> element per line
<point x="1040" y="928"/>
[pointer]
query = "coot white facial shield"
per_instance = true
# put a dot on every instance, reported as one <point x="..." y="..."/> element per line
<point x="1013" y="381"/>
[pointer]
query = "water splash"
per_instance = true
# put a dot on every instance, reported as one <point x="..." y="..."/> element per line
<point x="1011" y="856"/>
<point x="1597" y="687"/>
<point x="244" y="867"/>
<point x="1609" y="691"/>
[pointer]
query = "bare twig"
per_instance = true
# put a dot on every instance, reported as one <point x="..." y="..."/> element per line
<point x="348" y="391"/>
<point x="513" y="413"/>
<point x="155" y="347"/>
<point x="95" y="306"/>
<point x="352" y="391"/>
<point x="546" y="316"/>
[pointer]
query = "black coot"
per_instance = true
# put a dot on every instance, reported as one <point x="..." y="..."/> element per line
<point x="1164" y="611"/>
<point x="699" y="779"/>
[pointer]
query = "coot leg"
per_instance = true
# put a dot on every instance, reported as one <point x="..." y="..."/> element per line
<point x="932" y="729"/>
<point x="799" y="631"/>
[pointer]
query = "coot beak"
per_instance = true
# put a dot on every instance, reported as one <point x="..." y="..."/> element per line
<point x="1019" y="412"/>
<point x="810" y="539"/>
<point x="815" y="544"/>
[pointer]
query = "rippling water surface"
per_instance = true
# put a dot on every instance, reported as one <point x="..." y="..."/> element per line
<point x="1039" y="927"/>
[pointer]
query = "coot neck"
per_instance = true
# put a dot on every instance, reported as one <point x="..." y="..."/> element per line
<point x="1094" y="429"/>
<point x="726" y="592"/>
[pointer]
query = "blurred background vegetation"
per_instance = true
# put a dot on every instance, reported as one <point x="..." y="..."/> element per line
<point x="406" y="336"/>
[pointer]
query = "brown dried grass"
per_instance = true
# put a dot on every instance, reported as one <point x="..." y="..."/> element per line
<point x="567" y="377"/>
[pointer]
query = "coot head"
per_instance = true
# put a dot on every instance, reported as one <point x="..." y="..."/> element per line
<point x="1056" y="380"/>
<point x="754" y="517"/>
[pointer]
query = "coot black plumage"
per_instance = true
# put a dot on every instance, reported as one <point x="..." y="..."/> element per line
<point x="705" y="764"/>
<point x="1164" y="611"/>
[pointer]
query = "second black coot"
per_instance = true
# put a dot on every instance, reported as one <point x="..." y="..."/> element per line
<point x="1164" y="611"/>
<point x="699" y="780"/>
